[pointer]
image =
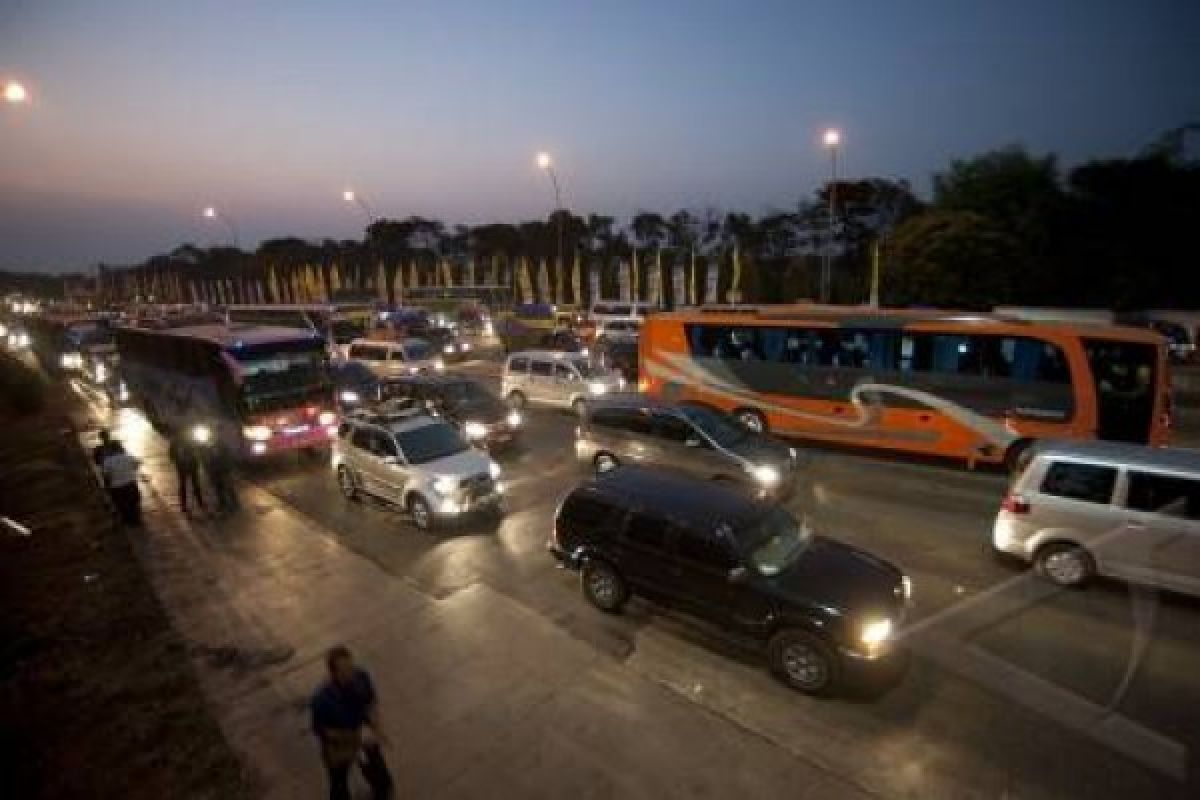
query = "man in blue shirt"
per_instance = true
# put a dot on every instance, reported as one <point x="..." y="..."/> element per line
<point x="342" y="708"/>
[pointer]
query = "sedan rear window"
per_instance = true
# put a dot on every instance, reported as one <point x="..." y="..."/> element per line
<point x="1090" y="483"/>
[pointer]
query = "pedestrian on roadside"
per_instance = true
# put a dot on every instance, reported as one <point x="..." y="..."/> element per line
<point x="219" y="465"/>
<point x="187" y="470"/>
<point x="120" y="478"/>
<point x="345" y="719"/>
<point x="101" y="451"/>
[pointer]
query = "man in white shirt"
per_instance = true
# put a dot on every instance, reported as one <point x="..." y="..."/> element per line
<point x="120" y="478"/>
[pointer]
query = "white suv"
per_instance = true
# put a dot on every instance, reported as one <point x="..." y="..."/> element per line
<point x="565" y="380"/>
<point x="393" y="359"/>
<point x="418" y="462"/>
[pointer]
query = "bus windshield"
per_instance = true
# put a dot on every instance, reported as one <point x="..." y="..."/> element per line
<point x="275" y="380"/>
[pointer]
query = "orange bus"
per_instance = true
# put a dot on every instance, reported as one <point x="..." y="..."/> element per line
<point x="976" y="387"/>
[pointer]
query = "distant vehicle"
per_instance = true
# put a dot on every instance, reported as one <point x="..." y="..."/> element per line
<point x="973" y="386"/>
<point x="1083" y="316"/>
<point x="1180" y="328"/>
<point x="827" y="611"/>
<point x="417" y="462"/>
<point x="605" y="311"/>
<point x="1080" y="509"/>
<point x="634" y="429"/>
<point x="447" y="343"/>
<point x="354" y="384"/>
<point x="620" y="357"/>
<point x="617" y="330"/>
<point x="339" y="323"/>
<point x="478" y="414"/>
<point x="525" y="326"/>
<point x="556" y="379"/>
<point x="393" y="359"/>
<point x="260" y="390"/>
<point x="564" y="341"/>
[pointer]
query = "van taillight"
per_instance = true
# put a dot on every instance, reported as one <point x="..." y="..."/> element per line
<point x="1015" y="504"/>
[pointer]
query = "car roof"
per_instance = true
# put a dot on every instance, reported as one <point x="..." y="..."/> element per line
<point x="430" y="380"/>
<point x="388" y="342"/>
<point x="632" y="400"/>
<point x="399" y="421"/>
<point x="693" y="501"/>
<point x="549" y="355"/>
<point x="1132" y="455"/>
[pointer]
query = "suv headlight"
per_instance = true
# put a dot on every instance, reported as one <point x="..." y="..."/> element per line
<point x="494" y="470"/>
<point x="767" y="476"/>
<point x="514" y="418"/>
<point x="475" y="430"/>
<point x="101" y="373"/>
<point x="256" y="433"/>
<point x="445" y="484"/>
<point x="876" y="632"/>
<point x="597" y="388"/>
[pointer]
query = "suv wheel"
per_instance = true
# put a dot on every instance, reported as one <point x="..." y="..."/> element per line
<point x="803" y="661"/>
<point x="421" y="513"/>
<point x="605" y="462"/>
<point x="346" y="483"/>
<point x="603" y="587"/>
<point x="1065" y="565"/>
<point x="751" y="419"/>
<point x="516" y="400"/>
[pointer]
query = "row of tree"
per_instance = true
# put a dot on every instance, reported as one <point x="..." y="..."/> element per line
<point x="1003" y="228"/>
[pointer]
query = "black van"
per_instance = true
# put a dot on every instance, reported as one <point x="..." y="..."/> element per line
<point x="824" y="609"/>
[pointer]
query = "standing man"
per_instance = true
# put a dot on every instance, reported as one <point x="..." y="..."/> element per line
<point x="102" y="450"/>
<point x="341" y="708"/>
<point x="120" y="477"/>
<point x="220" y="472"/>
<point x="187" y="470"/>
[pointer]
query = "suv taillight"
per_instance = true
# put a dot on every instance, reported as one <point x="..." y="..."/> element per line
<point x="1015" y="504"/>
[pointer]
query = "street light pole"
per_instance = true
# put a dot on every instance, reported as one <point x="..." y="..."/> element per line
<point x="212" y="213"/>
<point x="15" y="93"/>
<point x="833" y="140"/>
<point x="544" y="161"/>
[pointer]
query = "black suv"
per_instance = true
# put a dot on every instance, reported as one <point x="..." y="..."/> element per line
<point x="825" y="609"/>
<point x="480" y="416"/>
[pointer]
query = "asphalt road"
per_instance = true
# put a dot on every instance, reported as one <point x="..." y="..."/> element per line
<point x="1011" y="690"/>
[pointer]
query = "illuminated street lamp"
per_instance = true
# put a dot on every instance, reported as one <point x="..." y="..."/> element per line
<point x="350" y="196"/>
<point x="211" y="213"/>
<point x="833" y="141"/>
<point x="546" y="164"/>
<point x="15" y="92"/>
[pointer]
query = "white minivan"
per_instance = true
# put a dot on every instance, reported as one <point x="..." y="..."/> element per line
<point x="1079" y="509"/>
<point x="396" y="359"/>
<point x="555" y="378"/>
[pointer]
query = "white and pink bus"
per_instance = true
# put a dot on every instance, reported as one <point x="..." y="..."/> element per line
<point x="259" y="390"/>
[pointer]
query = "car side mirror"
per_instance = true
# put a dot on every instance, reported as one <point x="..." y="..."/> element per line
<point x="739" y="574"/>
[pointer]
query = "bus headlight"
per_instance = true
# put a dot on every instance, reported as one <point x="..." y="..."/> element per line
<point x="876" y="632"/>
<point x="349" y="397"/>
<point x="326" y="418"/>
<point x="514" y="419"/>
<point x="767" y="476"/>
<point x="445" y="484"/>
<point x="597" y="388"/>
<point x="256" y="433"/>
<point x="475" y="430"/>
<point x="201" y="434"/>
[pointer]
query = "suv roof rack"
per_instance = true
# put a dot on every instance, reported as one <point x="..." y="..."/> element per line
<point x="387" y="412"/>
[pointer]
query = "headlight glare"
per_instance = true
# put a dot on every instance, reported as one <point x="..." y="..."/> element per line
<point x="327" y="418"/>
<point x="475" y="430"/>
<point x="767" y="476"/>
<point x="494" y="470"/>
<point x="514" y="418"/>
<point x="445" y="484"/>
<point x="349" y="397"/>
<point x="876" y="632"/>
<point x="597" y="388"/>
<point x="255" y="433"/>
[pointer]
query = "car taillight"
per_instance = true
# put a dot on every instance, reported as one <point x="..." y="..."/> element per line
<point x="1015" y="504"/>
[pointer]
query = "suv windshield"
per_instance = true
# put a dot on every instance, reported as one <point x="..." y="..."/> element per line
<point x="417" y="350"/>
<point x="430" y="442"/>
<point x="718" y="427"/>
<point x="777" y="542"/>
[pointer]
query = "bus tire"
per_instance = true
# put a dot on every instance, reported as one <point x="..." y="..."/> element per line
<point x="1012" y="456"/>
<point x="752" y="420"/>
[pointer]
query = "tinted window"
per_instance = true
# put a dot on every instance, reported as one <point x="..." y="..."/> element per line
<point x="1087" y="482"/>
<point x="518" y="365"/>
<point x="382" y="445"/>
<point x="361" y="439"/>
<point x="430" y="442"/>
<point x="1164" y="494"/>
<point x="673" y="428"/>
<point x="647" y="530"/>
<point x="588" y="513"/>
<point x="1122" y="370"/>
<point x="705" y="550"/>
<point x="542" y="368"/>
<point x="563" y="372"/>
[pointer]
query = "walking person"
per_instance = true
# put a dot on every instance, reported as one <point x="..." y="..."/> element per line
<point x="102" y="450"/>
<point x="187" y="470"/>
<point x="219" y="465"/>
<point x="120" y="472"/>
<point x="345" y="719"/>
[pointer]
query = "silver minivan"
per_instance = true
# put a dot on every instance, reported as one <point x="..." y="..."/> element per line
<point x="395" y="359"/>
<point x="565" y="380"/>
<point x="1079" y="509"/>
<point x="697" y="440"/>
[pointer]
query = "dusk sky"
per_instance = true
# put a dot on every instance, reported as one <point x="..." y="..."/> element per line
<point x="144" y="112"/>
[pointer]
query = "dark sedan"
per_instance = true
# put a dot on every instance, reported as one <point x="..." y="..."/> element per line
<point x="481" y="417"/>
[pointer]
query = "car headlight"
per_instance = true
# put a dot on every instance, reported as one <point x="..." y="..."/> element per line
<point x="326" y="418"/>
<point x="597" y="388"/>
<point x="255" y="433"/>
<point x="445" y="484"/>
<point x="876" y="632"/>
<point x="71" y="361"/>
<point x="448" y="349"/>
<point x="201" y="434"/>
<point x="583" y="351"/>
<point x="439" y="365"/>
<point x="494" y="470"/>
<point x="465" y="347"/>
<point x="349" y="397"/>
<point x="514" y="419"/>
<point x="475" y="430"/>
<point x="767" y="476"/>
<point x="101" y="373"/>
<point x="906" y="587"/>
